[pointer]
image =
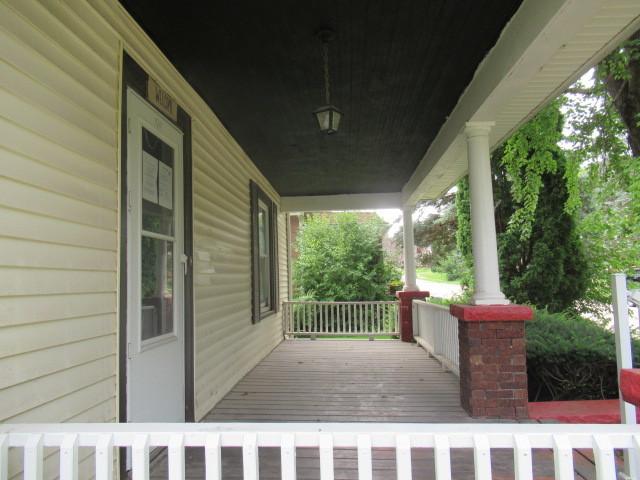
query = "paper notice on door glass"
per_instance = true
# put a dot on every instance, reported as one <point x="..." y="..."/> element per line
<point x="149" y="177"/>
<point x="165" y="186"/>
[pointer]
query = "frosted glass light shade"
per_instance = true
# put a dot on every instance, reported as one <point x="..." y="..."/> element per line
<point x="328" y="118"/>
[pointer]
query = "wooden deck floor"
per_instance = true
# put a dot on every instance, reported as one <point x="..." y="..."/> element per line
<point x="344" y="381"/>
<point x="351" y="381"/>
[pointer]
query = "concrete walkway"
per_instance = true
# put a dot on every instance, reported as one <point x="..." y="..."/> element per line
<point x="442" y="290"/>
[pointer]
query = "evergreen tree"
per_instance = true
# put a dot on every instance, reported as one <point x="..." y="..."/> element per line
<point x="547" y="269"/>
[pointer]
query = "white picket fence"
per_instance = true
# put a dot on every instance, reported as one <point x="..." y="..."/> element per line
<point x="443" y="439"/>
<point x="436" y="330"/>
<point x="340" y="318"/>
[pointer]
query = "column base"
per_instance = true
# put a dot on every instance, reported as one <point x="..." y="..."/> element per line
<point x="493" y="359"/>
<point x="408" y="288"/>
<point x="490" y="299"/>
<point x="406" y="312"/>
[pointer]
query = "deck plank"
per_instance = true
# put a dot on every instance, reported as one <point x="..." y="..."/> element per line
<point x="344" y="381"/>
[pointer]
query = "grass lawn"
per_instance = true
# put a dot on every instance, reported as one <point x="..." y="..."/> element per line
<point x="427" y="274"/>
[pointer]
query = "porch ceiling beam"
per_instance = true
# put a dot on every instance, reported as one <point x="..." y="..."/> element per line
<point x="542" y="34"/>
<point x="324" y="203"/>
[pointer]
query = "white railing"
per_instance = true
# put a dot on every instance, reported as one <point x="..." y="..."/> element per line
<point x="436" y="330"/>
<point x="340" y="318"/>
<point x="30" y="440"/>
<point x="622" y="299"/>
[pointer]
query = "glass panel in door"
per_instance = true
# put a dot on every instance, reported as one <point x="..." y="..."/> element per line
<point x="158" y="238"/>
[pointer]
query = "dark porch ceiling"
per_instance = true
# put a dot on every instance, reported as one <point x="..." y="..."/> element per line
<point x="397" y="70"/>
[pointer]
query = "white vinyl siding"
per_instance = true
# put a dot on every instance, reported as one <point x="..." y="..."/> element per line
<point x="59" y="219"/>
<point x="227" y="344"/>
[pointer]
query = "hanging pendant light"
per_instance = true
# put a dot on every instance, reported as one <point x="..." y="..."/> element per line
<point x="328" y="116"/>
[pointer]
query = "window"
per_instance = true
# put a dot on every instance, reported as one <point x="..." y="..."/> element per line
<point x="263" y="255"/>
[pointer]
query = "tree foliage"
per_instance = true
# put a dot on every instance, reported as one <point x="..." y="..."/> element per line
<point x="605" y="142"/>
<point x="341" y="259"/>
<point x="529" y="154"/>
<point x="463" y="232"/>
<point x="434" y="230"/>
<point x="619" y="74"/>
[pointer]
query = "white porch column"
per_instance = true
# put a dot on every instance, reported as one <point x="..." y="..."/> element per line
<point x="483" y="227"/>
<point x="409" y="249"/>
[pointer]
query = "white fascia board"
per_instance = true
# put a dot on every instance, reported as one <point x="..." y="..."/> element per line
<point x="537" y="32"/>
<point x="327" y="203"/>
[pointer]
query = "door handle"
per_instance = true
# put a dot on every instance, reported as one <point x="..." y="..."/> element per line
<point x="185" y="263"/>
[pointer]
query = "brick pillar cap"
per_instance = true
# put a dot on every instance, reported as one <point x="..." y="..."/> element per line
<point x="410" y="295"/>
<point x="630" y="385"/>
<point x="491" y="313"/>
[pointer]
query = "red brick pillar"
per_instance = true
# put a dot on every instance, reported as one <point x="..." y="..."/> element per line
<point x="493" y="361"/>
<point x="406" y="312"/>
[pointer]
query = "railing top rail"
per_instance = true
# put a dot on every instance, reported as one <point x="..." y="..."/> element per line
<point x="435" y="306"/>
<point x="311" y="435"/>
<point x="461" y="429"/>
<point x="364" y="302"/>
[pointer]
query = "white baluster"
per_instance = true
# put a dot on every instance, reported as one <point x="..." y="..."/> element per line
<point x="33" y="458"/>
<point x="442" y="457"/>
<point x="326" y="456"/>
<point x="482" y="457"/>
<point x="403" y="457"/>
<point x="176" y="457"/>
<point x="563" y="458"/>
<point x="4" y="457"/>
<point x="365" y="471"/>
<point x="104" y="457"/>
<point x="314" y="306"/>
<point x="250" y="462"/>
<point x="140" y="457"/>
<point x="288" y="456"/>
<point x="69" y="457"/>
<point x="213" y="464"/>
<point x="522" y="459"/>
<point x="603" y="454"/>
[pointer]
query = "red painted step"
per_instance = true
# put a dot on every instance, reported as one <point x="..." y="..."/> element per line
<point x="578" y="411"/>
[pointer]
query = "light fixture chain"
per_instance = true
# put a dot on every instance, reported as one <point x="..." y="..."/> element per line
<point x="325" y="55"/>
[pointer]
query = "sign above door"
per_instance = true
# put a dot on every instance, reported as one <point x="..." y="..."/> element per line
<point x="161" y="99"/>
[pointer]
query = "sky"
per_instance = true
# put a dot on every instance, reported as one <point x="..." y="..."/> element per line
<point x="393" y="216"/>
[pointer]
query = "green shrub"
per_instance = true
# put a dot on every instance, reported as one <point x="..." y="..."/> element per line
<point x="340" y="258"/>
<point x="571" y="358"/>
<point x="395" y="285"/>
<point x="453" y="265"/>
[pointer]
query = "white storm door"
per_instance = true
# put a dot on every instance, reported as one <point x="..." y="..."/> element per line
<point x="155" y="266"/>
